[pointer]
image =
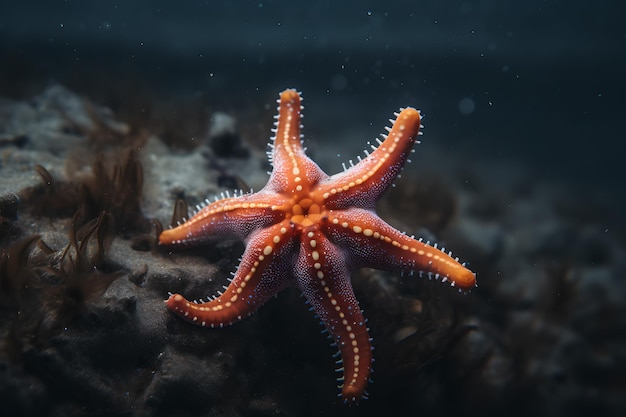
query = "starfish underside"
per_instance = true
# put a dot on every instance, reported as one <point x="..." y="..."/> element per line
<point x="310" y="230"/>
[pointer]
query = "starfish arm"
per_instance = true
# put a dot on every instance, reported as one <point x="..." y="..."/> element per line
<point x="322" y="275"/>
<point x="364" y="183"/>
<point x="234" y="217"/>
<point x="293" y="171"/>
<point x="260" y="275"/>
<point x="374" y="243"/>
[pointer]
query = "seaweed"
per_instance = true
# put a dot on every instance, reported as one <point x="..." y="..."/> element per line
<point x="180" y="213"/>
<point x="116" y="190"/>
<point x="42" y="289"/>
<point x="15" y="275"/>
<point x="51" y="198"/>
<point x="426" y="201"/>
<point x="559" y="297"/>
<point x="417" y="331"/>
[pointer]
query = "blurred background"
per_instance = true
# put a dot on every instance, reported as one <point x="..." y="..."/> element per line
<point x="539" y="82"/>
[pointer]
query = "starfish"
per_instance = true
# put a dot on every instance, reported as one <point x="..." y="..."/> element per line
<point x="310" y="230"/>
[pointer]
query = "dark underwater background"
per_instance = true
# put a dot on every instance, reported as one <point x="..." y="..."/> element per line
<point x="105" y="107"/>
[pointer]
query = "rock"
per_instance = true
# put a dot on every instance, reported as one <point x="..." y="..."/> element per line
<point x="9" y="202"/>
<point x="223" y="137"/>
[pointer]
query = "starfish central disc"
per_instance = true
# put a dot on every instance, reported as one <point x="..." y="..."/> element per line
<point x="306" y="212"/>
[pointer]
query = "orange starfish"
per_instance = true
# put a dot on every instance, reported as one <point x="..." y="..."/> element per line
<point x="310" y="230"/>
